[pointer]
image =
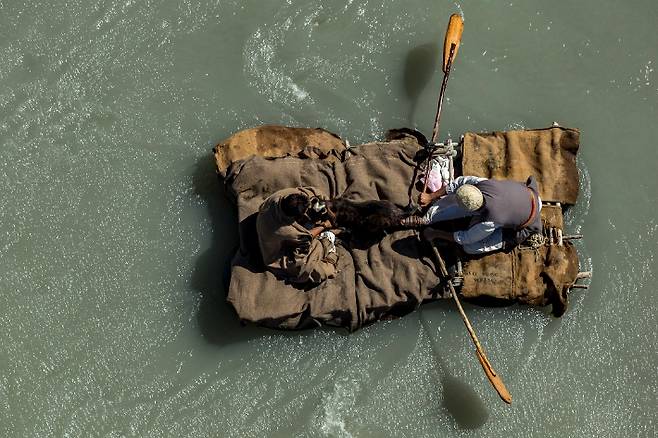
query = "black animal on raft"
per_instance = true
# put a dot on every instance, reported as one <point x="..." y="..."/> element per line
<point x="369" y="217"/>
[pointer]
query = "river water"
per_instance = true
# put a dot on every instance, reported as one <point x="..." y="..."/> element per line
<point x="114" y="232"/>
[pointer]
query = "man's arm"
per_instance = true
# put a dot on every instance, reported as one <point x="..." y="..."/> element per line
<point x="315" y="231"/>
<point x="426" y="199"/>
<point x="460" y="181"/>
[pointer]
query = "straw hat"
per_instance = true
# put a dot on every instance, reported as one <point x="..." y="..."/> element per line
<point x="469" y="197"/>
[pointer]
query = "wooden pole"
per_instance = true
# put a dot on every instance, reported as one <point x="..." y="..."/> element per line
<point x="451" y="43"/>
<point x="494" y="379"/>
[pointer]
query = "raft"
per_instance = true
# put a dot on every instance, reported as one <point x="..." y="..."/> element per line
<point x="392" y="275"/>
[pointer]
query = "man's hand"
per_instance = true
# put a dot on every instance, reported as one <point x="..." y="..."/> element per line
<point x="320" y="227"/>
<point x="425" y="199"/>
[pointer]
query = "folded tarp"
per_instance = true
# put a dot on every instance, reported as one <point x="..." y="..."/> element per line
<point x="378" y="279"/>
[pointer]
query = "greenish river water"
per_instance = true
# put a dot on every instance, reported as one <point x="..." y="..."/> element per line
<point x="114" y="232"/>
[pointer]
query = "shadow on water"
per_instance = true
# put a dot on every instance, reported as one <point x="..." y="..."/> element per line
<point x="217" y="321"/>
<point x="463" y="403"/>
<point x="460" y="400"/>
<point x="419" y="68"/>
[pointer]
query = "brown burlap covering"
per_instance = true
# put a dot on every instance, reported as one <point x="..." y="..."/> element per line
<point x="527" y="276"/>
<point x="383" y="278"/>
<point x="273" y="141"/>
<point x="551" y="216"/>
<point x="548" y="154"/>
<point x="377" y="279"/>
<point x="524" y="275"/>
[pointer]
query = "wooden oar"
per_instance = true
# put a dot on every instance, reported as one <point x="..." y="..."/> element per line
<point x="450" y="46"/>
<point x="494" y="378"/>
<point x="453" y="37"/>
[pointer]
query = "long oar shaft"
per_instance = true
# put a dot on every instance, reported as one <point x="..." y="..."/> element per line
<point x="495" y="380"/>
<point x="451" y="43"/>
<point x="444" y="84"/>
<point x="437" y="118"/>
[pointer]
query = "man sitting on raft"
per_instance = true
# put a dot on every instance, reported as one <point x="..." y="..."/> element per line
<point x="504" y="213"/>
<point x="295" y="239"/>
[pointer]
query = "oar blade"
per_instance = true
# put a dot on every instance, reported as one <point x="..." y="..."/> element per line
<point x="453" y="36"/>
<point x="495" y="380"/>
